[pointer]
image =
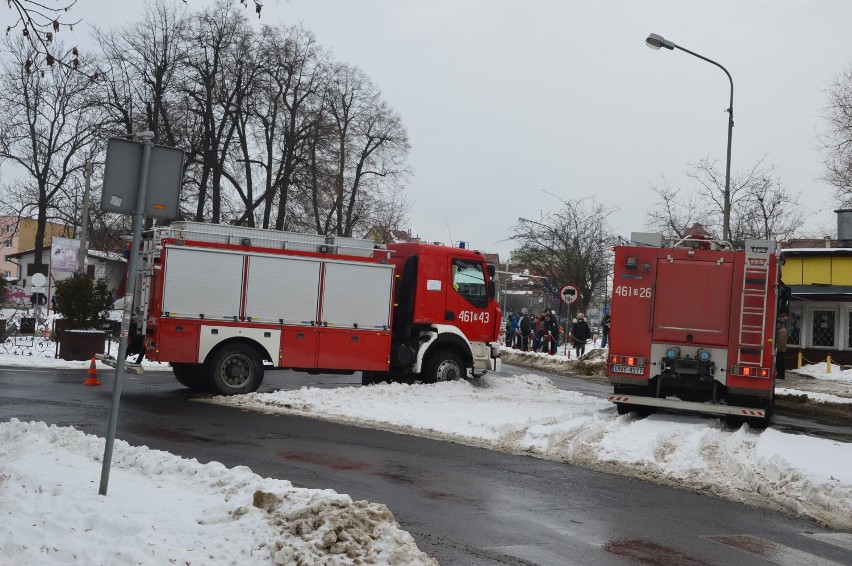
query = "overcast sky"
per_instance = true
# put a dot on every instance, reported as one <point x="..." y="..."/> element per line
<point x="504" y="100"/>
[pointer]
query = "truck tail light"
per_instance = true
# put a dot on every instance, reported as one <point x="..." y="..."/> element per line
<point x="627" y="360"/>
<point x="749" y="371"/>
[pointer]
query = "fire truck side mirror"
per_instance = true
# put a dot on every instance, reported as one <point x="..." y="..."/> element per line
<point x="492" y="290"/>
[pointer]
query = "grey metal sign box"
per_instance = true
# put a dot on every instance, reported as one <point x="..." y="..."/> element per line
<point x="121" y="179"/>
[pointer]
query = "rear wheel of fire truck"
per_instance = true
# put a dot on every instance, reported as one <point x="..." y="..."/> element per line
<point x="625" y="408"/>
<point x="443" y="365"/>
<point x="191" y="376"/>
<point x="235" y="369"/>
<point x="745" y="401"/>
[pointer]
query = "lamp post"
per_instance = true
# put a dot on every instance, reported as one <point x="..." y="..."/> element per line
<point x="655" y="41"/>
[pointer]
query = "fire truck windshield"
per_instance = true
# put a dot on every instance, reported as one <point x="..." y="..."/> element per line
<point x="469" y="281"/>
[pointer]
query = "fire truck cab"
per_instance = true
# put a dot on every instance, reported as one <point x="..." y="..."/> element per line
<point x="220" y="303"/>
<point x="693" y="327"/>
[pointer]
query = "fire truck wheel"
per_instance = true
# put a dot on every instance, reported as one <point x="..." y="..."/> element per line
<point x="236" y="369"/>
<point x="624" y="408"/>
<point x="191" y="376"/>
<point x="443" y="365"/>
<point x="640" y="410"/>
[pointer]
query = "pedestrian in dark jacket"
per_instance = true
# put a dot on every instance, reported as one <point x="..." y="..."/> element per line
<point x="605" y="330"/>
<point x="549" y="333"/>
<point x="780" y="350"/>
<point x="536" y="335"/>
<point x="580" y="333"/>
<point x="525" y="327"/>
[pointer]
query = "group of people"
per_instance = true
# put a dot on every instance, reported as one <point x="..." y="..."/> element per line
<point x="528" y="332"/>
<point x="541" y="333"/>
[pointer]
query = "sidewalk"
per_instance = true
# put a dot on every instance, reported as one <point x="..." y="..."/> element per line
<point x="808" y="383"/>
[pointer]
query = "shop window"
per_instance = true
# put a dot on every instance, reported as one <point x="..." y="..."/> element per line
<point x="794" y="327"/>
<point x="823" y="333"/>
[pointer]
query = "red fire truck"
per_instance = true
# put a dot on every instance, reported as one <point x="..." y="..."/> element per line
<point x="220" y="302"/>
<point x="693" y="328"/>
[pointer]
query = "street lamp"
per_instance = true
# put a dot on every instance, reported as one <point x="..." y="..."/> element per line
<point x="655" y="41"/>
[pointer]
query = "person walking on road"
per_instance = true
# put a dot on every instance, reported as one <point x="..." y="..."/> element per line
<point x="780" y="350"/>
<point x="580" y="333"/>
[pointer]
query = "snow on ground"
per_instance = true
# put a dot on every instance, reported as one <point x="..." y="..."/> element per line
<point x="527" y="414"/>
<point x="821" y="371"/>
<point x="815" y="396"/>
<point x="163" y="509"/>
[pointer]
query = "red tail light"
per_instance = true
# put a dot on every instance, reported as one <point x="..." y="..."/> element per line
<point x="748" y="371"/>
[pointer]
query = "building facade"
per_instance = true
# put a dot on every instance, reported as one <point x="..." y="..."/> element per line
<point x="107" y="265"/>
<point x="820" y="319"/>
<point x="17" y="234"/>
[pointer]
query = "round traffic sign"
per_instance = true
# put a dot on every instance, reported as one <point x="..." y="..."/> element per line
<point x="569" y="294"/>
<point x="38" y="279"/>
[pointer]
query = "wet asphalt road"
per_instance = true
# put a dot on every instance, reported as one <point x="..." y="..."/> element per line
<point x="463" y="505"/>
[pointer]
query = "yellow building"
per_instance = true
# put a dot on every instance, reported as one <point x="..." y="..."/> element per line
<point x="18" y="234"/>
<point x="819" y="274"/>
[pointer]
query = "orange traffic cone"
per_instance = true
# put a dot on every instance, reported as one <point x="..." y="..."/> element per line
<point x="92" y="377"/>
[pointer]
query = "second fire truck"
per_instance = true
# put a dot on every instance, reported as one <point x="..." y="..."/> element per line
<point x="693" y="327"/>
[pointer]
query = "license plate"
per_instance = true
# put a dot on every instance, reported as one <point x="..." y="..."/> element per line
<point x="621" y="368"/>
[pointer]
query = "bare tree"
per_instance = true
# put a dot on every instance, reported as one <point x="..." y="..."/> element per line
<point x="51" y="122"/>
<point x="674" y="210"/>
<point x="763" y="208"/>
<point x="39" y="22"/>
<point x="370" y="145"/>
<point x="286" y="110"/>
<point x="214" y="91"/>
<point x="837" y="139"/>
<point x="568" y="246"/>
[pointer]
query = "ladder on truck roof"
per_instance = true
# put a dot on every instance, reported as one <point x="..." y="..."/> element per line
<point x="754" y="301"/>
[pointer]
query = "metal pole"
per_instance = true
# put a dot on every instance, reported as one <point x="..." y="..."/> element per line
<point x="138" y="221"/>
<point x="84" y="228"/>
<point x="726" y="207"/>
<point x="726" y="228"/>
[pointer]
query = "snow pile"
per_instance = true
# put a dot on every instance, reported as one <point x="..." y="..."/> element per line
<point x="527" y="414"/>
<point x="820" y="371"/>
<point x="593" y="362"/>
<point x="164" y="509"/>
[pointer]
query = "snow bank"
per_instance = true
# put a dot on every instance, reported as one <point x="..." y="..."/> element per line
<point x="165" y="509"/>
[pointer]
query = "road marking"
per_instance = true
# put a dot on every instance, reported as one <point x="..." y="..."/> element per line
<point x="843" y="540"/>
<point x="772" y="551"/>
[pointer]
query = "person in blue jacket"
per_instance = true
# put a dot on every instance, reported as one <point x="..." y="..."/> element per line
<point x="513" y="337"/>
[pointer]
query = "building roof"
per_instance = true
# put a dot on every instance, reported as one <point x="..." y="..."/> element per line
<point x="816" y="251"/>
<point x="96" y="254"/>
<point x="824" y="292"/>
